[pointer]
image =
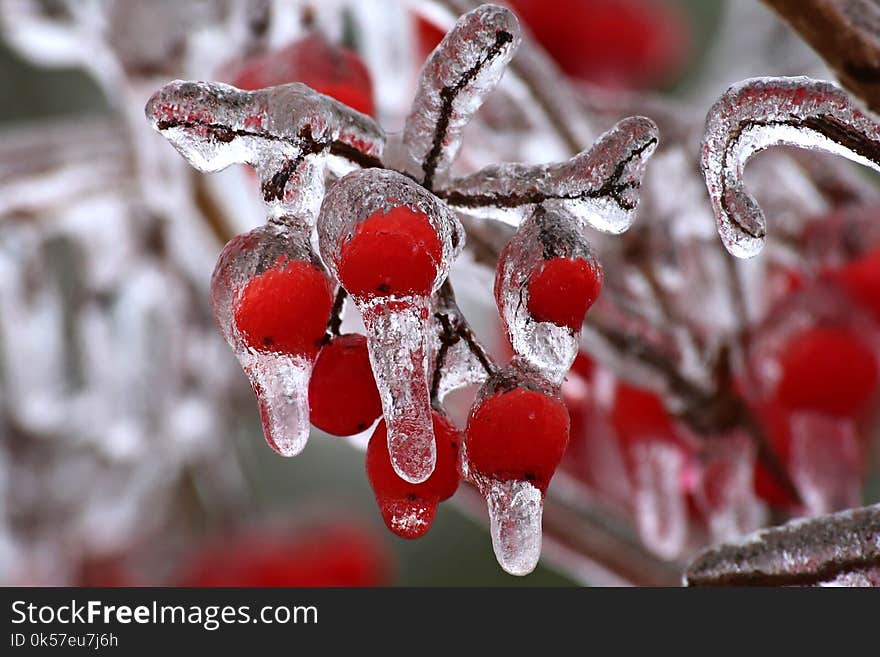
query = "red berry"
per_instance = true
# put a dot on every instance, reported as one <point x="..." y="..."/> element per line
<point x="325" y="556"/>
<point x="518" y="434"/>
<point x="617" y="43"/>
<point x="428" y="36"/>
<point x="328" y="69"/>
<point x="408" y="509"/>
<point x="828" y="370"/>
<point x="391" y="253"/>
<point x="562" y="290"/>
<point x="285" y="309"/>
<point x="639" y="414"/>
<point x="861" y="279"/>
<point x="343" y="399"/>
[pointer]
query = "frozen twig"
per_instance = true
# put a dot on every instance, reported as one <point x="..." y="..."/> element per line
<point x="841" y="549"/>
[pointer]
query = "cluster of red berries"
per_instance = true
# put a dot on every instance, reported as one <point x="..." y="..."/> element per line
<point x="387" y="243"/>
<point x="517" y="432"/>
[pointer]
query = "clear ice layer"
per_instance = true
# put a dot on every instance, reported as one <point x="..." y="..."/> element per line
<point x="287" y="133"/>
<point x="454" y="82"/>
<point x="760" y="113"/>
<point x="599" y="187"/>
<point x="545" y="348"/>
<point x="398" y="340"/>
<point x="398" y="334"/>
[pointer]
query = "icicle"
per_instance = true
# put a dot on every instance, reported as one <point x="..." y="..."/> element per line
<point x="281" y="384"/>
<point x="398" y="340"/>
<point x="546" y="347"/>
<point x="378" y="207"/>
<point x="599" y="187"/>
<point x="454" y="82"/>
<point x="760" y="113"/>
<point x="826" y="461"/>
<point x="515" y="512"/>
<point x="726" y="489"/>
<point x="287" y="133"/>
<point x="661" y="513"/>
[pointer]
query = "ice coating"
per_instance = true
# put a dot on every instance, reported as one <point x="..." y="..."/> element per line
<point x="545" y="348"/>
<point x="398" y="335"/>
<point x="843" y="548"/>
<point x="760" y="113"/>
<point x="726" y="490"/>
<point x="398" y="341"/>
<point x="459" y="360"/>
<point x="287" y="133"/>
<point x="515" y="512"/>
<point x="826" y="461"/>
<point x="281" y="384"/>
<point x="280" y="380"/>
<point x="599" y="187"/>
<point x="455" y="80"/>
<point x="660" y="507"/>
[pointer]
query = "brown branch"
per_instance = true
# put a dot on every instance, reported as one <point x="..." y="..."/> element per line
<point x="846" y="34"/>
<point x="843" y="548"/>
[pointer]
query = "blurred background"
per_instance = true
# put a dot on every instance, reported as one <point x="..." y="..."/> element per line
<point x="130" y="446"/>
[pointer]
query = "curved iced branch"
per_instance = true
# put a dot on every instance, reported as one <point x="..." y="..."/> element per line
<point x="760" y="113"/>
<point x="598" y="187"/>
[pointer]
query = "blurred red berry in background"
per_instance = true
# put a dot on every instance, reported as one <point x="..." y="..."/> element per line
<point x="341" y="554"/>
<point x="621" y="44"/>
<point x="329" y="69"/>
<point x="632" y="44"/>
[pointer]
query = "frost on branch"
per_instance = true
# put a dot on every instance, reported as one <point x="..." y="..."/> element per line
<point x="760" y="113"/>
<point x="842" y="549"/>
<point x="599" y="187"/>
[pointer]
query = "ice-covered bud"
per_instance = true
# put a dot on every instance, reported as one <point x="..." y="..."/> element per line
<point x="546" y="279"/>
